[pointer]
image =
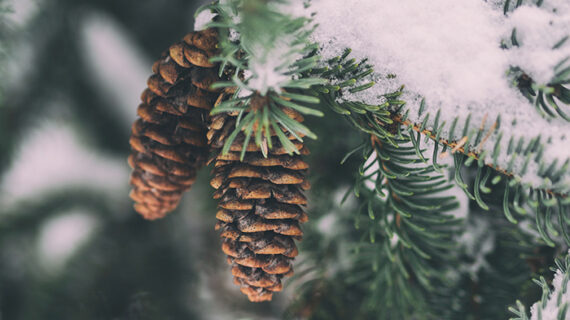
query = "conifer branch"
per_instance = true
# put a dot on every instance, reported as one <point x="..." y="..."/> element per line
<point x="458" y="146"/>
<point x="547" y="98"/>
<point x="544" y="202"/>
<point x="403" y="231"/>
<point x="554" y="303"/>
<point x="387" y="122"/>
<point x="409" y="228"/>
<point x="264" y="53"/>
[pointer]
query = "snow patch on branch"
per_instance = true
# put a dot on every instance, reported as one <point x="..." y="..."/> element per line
<point x="202" y="19"/>
<point x="560" y="294"/>
<point x="449" y="52"/>
<point x="269" y="66"/>
<point x="538" y="31"/>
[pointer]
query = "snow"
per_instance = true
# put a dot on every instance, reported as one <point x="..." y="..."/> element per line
<point x="52" y="157"/>
<point x="449" y="53"/>
<point x="202" y="19"/>
<point x="270" y="53"/>
<point x="327" y="223"/>
<point x="560" y="294"/>
<point x="23" y="11"/>
<point x="537" y="32"/>
<point x="119" y="68"/>
<point x="424" y="43"/>
<point x="477" y="241"/>
<point x="60" y="237"/>
<point x="268" y="68"/>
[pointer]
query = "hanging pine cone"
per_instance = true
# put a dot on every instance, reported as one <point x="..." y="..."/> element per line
<point x="169" y="139"/>
<point x="260" y="207"/>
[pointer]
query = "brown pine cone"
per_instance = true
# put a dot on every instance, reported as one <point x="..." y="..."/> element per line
<point x="169" y="139"/>
<point x="261" y="206"/>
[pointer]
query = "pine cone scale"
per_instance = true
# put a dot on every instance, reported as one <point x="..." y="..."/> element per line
<point x="169" y="139"/>
<point x="260" y="208"/>
<point x="206" y="40"/>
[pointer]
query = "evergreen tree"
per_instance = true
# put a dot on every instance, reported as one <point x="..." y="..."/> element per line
<point x="420" y="205"/>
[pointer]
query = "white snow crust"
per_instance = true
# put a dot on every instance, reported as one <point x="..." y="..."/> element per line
<point x="268" y="68"/>
<point x="538" y="30"/>
<point x="202" y="19"/>
<point x="115" y="62"/>
<point x="61" y="236"/>
<point x="559" y="295"/>
<point x="448" y="52"/>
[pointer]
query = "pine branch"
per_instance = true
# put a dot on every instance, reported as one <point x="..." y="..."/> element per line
<point x="555" y="302"/>
<point x="459" y="147"/>
<point x="263" y="51"/>
<point x="497" y="262"/>
<point x="543" y="201"/>
<point x="404" y="229"/>
<point x="520" y="165"/>
<point x="545" y="97"/>
<point x="386" y="121"/>
<point x="408" y="227"/>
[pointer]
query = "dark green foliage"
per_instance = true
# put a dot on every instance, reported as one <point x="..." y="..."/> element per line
<point x="505" y="271"/>
<point x="549" y="205"/>
<point x="129" y="270"/>
<point x="402" y="279"/>
<point x="5" y="35"/>
<point x="403" y="242"/>
<point x="562" y="268"/>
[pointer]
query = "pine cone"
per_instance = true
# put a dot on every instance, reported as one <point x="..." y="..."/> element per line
<point x="169" y="139"/>
<point x="260" y="207"/>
